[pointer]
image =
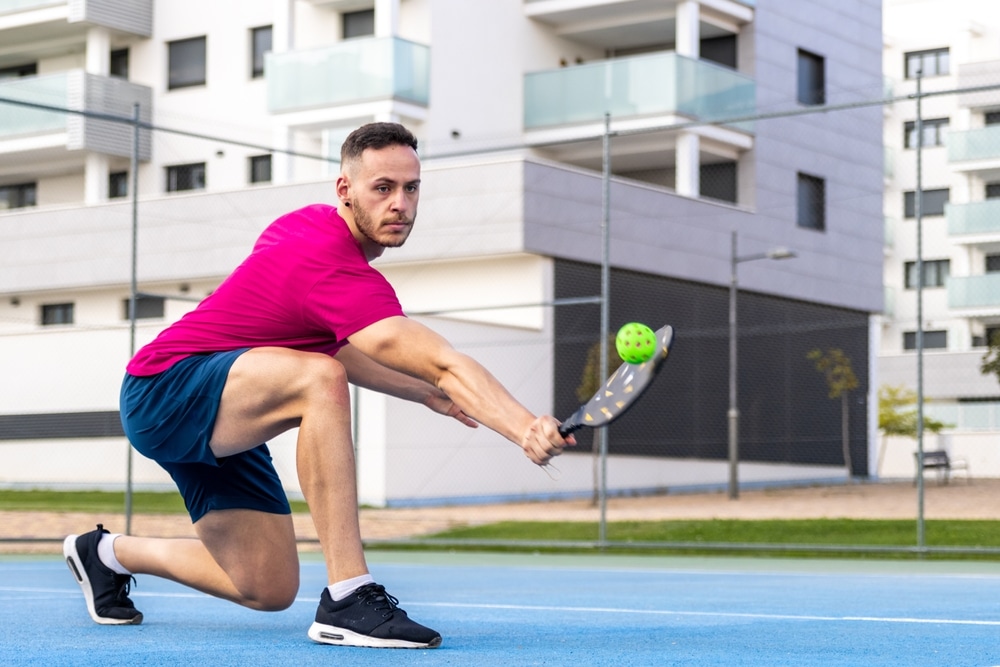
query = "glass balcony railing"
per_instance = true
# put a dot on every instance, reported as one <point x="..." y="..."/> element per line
<point x="69" y="93"/>
<point x="353" y="71"/>
<point x="974" y="291"/>
<point x="658" y="83"/>
<point x="979" y="144"/>
<point x="18" y="120"/>
<point x="980" y="217"/>
<point x="10" y="6"/>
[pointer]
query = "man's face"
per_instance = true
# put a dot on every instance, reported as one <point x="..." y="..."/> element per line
<point x="383" y="189"/>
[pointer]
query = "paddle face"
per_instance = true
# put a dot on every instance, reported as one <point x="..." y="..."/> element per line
<point x="622" y="389"/>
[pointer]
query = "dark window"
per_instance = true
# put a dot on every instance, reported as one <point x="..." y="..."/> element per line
<point x="260" y="169"/>
<point x="932" y="340"/>
<point x="119" y="63"/>
<point x="186" y="65"/>
<point x="358" y="24"/>
<point x="812" y="78"/>
<point x="260" y="43"/>
<point x="991" y="118"/>
<point x="721" y="50"/>
<point x="811" y="209"/>
<point x="991" y="336"/>
<point x="992" y="190"/>
<point x="18" y="195"/>
<point x="718" y="181"/>
<point x="57" y="313"/>
<point x="146" y="307"/>
<point x="186" y="177"/>
<point x="932" y="202"/>
<point x="992" y="263"/>
<point x="935" y="273"/>
<point x="118" y="184"/>
<point x="933" y="131"/>
<point x="933" y="62"/>
<point x="17" y="71"/>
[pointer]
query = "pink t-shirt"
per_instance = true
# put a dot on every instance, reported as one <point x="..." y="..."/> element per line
<point x="306" y="286"/>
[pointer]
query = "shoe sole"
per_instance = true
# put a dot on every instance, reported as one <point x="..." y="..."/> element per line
<point x="80" y="574"/>
<point x="329" y="634"/>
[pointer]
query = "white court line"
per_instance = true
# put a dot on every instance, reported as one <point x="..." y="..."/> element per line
<point x="598" y="610"/>
<point x="716" y="614"/>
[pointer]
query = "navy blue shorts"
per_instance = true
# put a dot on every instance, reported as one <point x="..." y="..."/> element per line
<point x="169" y="418"/>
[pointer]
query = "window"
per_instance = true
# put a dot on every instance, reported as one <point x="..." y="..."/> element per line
<point x="932" y="340"/>
<point x="260" y="169"/>
<point x="358" y="24"/>
<point x="118" y="184"/>
<point x="812" y="79"/>
<point x="18" y="195"/>
<point x="991" y="118"/>
<point x="57" y="313"/>
<point x="119" y="63"/>
<point x="992" y="263"/>
<point x="933" y="62"/>
<point x="992" y="190"/>
<point x="718" y="181"/>
<point x="260" y="43"/>
<point x="990" y="335"/>
<point x="146" y="307"/>
<point x="935" y="273"/>
<point x="186" y="63"/>
<point x="811" y="209"/>
<point x="17" y="71"/>
<point x="186" y="177"/>
<point x="933" y="131"/>
<point x="932" y="203"/>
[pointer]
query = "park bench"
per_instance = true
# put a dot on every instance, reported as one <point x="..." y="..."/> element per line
<point x="944" y="465"/>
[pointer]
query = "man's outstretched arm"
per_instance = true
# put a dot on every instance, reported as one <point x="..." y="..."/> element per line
<point x="365" y="372"/>
<point x="414" y="350"/>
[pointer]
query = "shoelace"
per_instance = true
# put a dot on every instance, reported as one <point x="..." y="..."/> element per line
<point x="375" y="595"/>
<point x="124" y="584"/>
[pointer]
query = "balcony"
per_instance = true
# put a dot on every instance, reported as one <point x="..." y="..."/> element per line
<point x="662" y="84"/>
<point x="349" y="73"/>
<point x="974" y="292"/>
<point x="618" y="24"/>
<point x="981" y="218"/>
<point x="978" y="75"/>
<point x="31" y="132"/>
<point x="979" y="147"/>
<point x="29" y="25"/>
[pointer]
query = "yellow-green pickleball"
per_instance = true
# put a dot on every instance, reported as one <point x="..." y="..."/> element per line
<point x="635" y="343"/>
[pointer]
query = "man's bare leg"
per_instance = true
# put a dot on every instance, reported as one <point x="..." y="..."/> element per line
<point x="270" y="390"/>
<point x="244" y="556"/>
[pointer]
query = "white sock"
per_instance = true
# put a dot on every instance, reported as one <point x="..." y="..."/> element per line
<point x="342" y="589"/>
<point x="106" y="552"/>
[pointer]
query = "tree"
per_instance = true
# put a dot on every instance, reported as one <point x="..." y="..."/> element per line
<point x="895" y="417"/>
<point x="841" y="380"/>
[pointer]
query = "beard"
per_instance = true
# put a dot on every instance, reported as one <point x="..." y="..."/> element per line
<point x="370" y="229"/>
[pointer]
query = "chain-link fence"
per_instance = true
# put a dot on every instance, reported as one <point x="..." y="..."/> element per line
<point x="522" y="251"/>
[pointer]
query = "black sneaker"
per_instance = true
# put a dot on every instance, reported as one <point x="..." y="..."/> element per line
<point x="369" y="617"/>
<point x="106" y="592"/>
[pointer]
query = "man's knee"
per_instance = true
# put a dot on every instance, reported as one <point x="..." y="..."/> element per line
<point x="272" y="590"/>
<point x="325" y="376"/>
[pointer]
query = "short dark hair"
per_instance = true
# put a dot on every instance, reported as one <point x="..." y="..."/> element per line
<point x="376" y="136"/>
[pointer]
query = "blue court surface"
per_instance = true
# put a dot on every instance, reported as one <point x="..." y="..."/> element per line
<point x="545" y="610"/>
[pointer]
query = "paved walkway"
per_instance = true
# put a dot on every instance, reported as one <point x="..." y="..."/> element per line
<point x="958" y="500"/>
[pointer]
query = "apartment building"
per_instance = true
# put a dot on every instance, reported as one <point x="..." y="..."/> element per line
<point x="954" y="47"/>
<point x="244" y="108"/>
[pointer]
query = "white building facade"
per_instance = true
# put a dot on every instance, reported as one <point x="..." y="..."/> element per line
<point x="248" y="105"/>
<point x="954" y="46"/>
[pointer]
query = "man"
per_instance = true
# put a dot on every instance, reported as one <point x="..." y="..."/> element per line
<point x="273" y="348"/>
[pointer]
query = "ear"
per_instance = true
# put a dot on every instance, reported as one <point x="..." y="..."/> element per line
<point x="343" y="188"/>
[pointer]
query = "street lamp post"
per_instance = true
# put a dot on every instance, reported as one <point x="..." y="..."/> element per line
<point x="734" y="412"/>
